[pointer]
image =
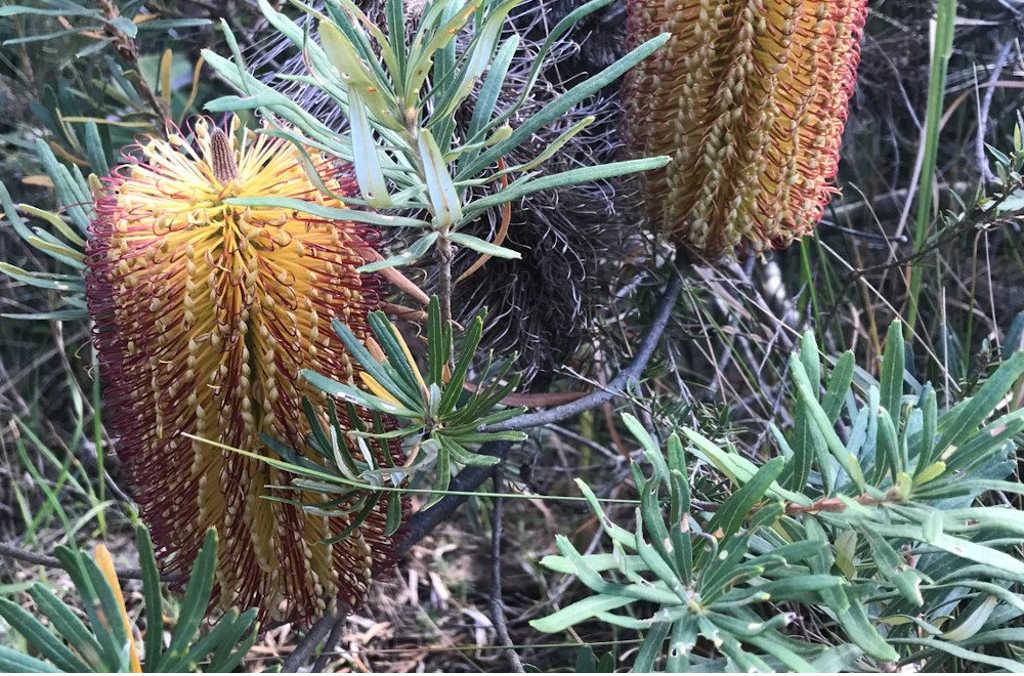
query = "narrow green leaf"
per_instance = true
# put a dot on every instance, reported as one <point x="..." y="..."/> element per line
<point x="891" y="375"/>
<point x="838" y="386"/>
<point x="366" y="158"/>
<point x="558" y="107"/>
<point x="11" y="661"/>
<point x="824" y="425"/>
<point x="355" y="75"/>
<point x="960" y="423"/>
<point x="68" y="626"/>
<point x="571" y="177"/>
<point x="580" y="611"/>
<point x="330" y="213"/>
<point x="734" y="510"/>
<point x="858" y="628"/>
<point x="926" y="437"/>
<point x="483" y="246"/>
<point x="197" y="597"/>
<point x="40" y="638"/>
<point x="152" y="597"/>
<point x="446" y="207"/>
<point x="893" y="568"/>
<point x="1013" y="666"/>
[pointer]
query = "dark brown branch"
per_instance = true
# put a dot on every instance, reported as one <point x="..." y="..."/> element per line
<point x="470" y="478"/>
<point x="19" y="554"/>
<point x="422" y="523"/>
<point x="307" y="645"/>
<point x="332" y="641"/>
<point x="497" y="605"/>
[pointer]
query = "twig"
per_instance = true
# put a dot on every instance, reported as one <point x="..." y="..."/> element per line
<point x="619" y="384"/>
<point x="470" y="478"/>
<point x="422" y="523"/>
<point x="128" y="50"/>
<point x="330" y="644"/>
<point x="986" y="105"/>
<point x="590" y="443"/>
<point x="837" y="505"/>
<point x="497" y="605"/>
<point x="19" y="554"/>
<point x="304" y="650"/>
<point x="395" y="277"/>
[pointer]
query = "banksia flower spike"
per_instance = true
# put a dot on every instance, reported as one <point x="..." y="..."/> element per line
<point x="749" y="97"/>
<point x="205" y="315"/>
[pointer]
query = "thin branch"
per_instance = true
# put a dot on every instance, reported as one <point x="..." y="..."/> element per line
<point x="618" y="386"/>
<point x="19" y="554"/>
<point x="423" y="522"/>
<point x="497" y="605"/>
<point x="983" y="114"/>
<point x="470" y="478"/>
<point x="332" y="641"/>
<point x="305" y="648"/>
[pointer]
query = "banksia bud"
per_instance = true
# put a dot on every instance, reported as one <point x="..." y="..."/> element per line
<point x="749" y="97"/>
<point x="205" y="314"/>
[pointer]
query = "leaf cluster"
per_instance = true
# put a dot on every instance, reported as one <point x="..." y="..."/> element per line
<point x="103" y="23"/>
<point x="60" y="240"/>
<point x="105" y="643"/>
<point x="101" y="88"/>
<point x="435" y="411"/>
<point x="400" y="96"/>
<point x="872" y="518"/>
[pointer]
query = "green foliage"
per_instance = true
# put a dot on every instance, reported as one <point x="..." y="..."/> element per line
<point x="92" y="20"/>
<point x="884" y="534"/>
<point x="943" y="49"/>
<point x="105" y="644"/>
<point x="108" y="80"/>
<point x="401" y="104"/>
<point x="71" y="478"/>
<point x="438" y="416"/>
<point x="62" y="241"/>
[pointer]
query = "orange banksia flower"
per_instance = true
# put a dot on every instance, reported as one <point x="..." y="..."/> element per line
<point x="205" y="314"/>
<point x="749" y="98"/>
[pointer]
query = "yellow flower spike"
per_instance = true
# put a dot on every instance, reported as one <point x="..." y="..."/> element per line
<point x="106" y="565"/>
<point x="206" y="313"/>
<point x="749" y="98"/>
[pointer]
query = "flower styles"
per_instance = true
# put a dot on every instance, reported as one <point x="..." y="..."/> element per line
<point x="205" y="314"/>
<point x="749" y="97"/>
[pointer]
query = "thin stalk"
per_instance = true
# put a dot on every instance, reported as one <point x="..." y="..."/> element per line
<point x="497" y="602"/>
<point x="943" y="47"/>
<point x="9" y="551"/>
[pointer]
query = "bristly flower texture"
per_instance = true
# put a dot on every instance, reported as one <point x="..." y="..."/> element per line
<point x="205" y="314"/>
<point x="750" y="98"/>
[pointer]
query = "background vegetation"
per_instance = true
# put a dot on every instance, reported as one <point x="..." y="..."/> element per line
<point x="85" y="85"/>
